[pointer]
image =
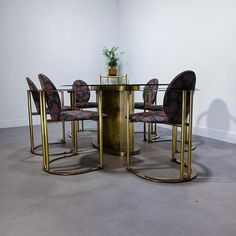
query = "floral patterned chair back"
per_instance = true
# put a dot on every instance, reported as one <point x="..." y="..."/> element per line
<point x="150" y="91"/>
<point x="52" y="97"/>
<point x="81" y="90"/>
<point x="173" y="96"/>
<point x="35" y="93"/>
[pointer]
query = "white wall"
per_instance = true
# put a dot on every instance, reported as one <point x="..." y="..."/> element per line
<point x="64" y="39"/>
<point x="61" y="38"/>
<point x="161" y="38"/>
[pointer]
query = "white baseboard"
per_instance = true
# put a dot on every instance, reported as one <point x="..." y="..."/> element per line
<point x="221" y="135"/>
<point x="225" y="136"/>
<point x="17" y="123"/>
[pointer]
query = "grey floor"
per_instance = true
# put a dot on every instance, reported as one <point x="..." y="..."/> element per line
<point x="113" y="202"/>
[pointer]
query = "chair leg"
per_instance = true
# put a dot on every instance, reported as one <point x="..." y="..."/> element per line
<point x="74" y="137"/>
<point x="44" y="132"/>
<point x="100" y="125"/>
<point x="189" y="160"/>
<point x="174" y="142"/>
<point x="128" y="134"/>
<point x="82" y="125"/>
<point x="183" y="131"/>
<point x="63" y="133"/>
<point x="144" y="132"/>
<point x="31" y="130"/>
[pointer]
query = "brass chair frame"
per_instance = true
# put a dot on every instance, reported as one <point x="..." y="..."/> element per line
<point x="186" y="172"/>
<point x="44" y="132"/>
<point x="31" y="114"/>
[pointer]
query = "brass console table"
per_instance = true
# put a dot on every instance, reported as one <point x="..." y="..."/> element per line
<point x="114" y="104"/>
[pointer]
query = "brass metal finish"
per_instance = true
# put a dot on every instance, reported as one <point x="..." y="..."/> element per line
<point x="174" y="141"/>
<point x="128" y="131"/>
<point x="115" y="106"/>
<point x="182" y="135"/>
<point x="189" y="162"/>
<point x="115" y="87"/>
<point x="30" y="122"/>
<point x="100" y="125"/>
<point x="63" y="123"/>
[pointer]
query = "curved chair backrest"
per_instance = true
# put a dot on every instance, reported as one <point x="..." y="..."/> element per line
<point x="81" y="90"/>
<point x="35" y="93"/>
<point x="52" y="96"/>
<point x="150" y="91"/>
<point x="173" y="96"/>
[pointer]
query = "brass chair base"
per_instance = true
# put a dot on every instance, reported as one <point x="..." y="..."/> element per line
<point x="68" y="170"/>
<point x="39" y="153"/>
<point x="159" y="139"/>
<point x="176" y="179"/>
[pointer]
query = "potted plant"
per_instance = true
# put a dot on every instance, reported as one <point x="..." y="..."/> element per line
<point x="112" y="58"/>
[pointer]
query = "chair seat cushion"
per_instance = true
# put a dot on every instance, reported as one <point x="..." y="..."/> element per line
<point x="86" y="105"/>
<point x="149" y="117"/>
<point x="66" y="108"/>
<point x="73" y="115"/>
<point x="151" y="107"/>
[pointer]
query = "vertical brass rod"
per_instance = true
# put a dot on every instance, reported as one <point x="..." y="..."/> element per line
<point x="100" y="129"/>
<point x="182" y="135"/>
<point x="82" y="125"/>
<point x="44" y="135"/>
<point x="154" y="128"/>
<point x="144" y="132"/>
<point x="189" y="161"/>
<point x="144" y="124"/>
<point x="42" y="128"/>
<point x="63" y="123"/>
<point x="63" y="132"/>
<point x="74" y="137"/>
<point x="149" y="132"/>
<point x="31" y="129"/>
<point x="174" y="141"/>
<point x="128" y="130"/>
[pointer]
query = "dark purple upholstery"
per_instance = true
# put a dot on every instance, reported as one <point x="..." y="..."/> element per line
<point x="151" y="107"/>
<point x="54" y="104"/>
<point x="173" y="96"/>
<point x="35" y="93"/>
<point x="172" y="105"/>
<point x="82" y="94"/>
<point x="52" y="96"/>
<point x="149" y="96"/>
<point x="78" y="115"/>
<point x="149" y="117"/>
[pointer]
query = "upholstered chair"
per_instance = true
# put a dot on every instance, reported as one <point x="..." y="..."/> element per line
<point x="82" y="95"/>
<point x="34" y="93"/>
<point x="177" y="112"/>
<point x="149" y="103"/>
<point x="50" y="96"/>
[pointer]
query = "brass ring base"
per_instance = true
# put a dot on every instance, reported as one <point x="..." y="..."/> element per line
<point x="164" y="179"/>
<point x="70" y="170"/>
<point x="158" y="139"/>
<point x="39" y="153"/>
